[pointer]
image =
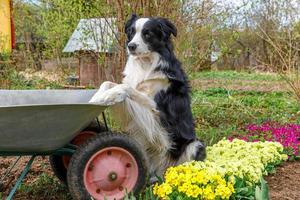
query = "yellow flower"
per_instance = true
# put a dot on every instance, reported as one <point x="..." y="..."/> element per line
<point x="223" y="191"/>
<point x="162" y="190"/>
<point x="208" y="193"/>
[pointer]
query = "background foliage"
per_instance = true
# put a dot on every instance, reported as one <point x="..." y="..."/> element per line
<point x="212" y="33"/>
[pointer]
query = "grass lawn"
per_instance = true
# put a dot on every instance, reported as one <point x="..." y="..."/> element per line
<point x="218" y="110"/>
<point x="234" y="75"/>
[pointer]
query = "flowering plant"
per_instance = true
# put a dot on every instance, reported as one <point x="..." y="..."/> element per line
<point x="287" y="134"/>
<point x="232" y="170"/>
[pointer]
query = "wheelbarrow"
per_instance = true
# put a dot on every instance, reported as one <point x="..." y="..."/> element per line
<point x="93" y="161"/>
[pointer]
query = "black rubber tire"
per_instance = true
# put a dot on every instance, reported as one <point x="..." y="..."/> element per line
<point x="2" y="187"/>
<point x="56" y="161"/>
<point x="58" y="168"/>
<point x="84" y="153"/>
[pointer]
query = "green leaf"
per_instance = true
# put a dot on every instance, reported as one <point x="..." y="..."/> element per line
<point x="262" y="192"/>
<point x="160" y="179"/>
<point x="179" y="198"/>
<point x="239" y="183"/>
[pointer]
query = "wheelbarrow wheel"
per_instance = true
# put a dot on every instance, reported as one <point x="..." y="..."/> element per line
<point x="2" y="187"/>
<point x="58" y="168"/>
<point x="109" y="166"/>
<point x="59" y="163"/>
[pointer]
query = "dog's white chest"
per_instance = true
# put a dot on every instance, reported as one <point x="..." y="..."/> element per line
<point x="134" y="75"/>
<point x="144" y="78"/>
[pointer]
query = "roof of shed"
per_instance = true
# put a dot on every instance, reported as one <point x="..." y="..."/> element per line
<point x="97" y="34"/>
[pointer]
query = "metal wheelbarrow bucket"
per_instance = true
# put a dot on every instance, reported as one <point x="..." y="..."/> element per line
<point x="43" y="120"/>
<point x="49" y="122"/>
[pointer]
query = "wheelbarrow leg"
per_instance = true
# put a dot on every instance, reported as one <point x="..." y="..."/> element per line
<point x="7" y="172"/>
<point x="20" y="179"/>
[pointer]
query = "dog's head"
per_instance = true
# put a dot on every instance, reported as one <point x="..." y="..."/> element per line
<point x="146" y="35"/>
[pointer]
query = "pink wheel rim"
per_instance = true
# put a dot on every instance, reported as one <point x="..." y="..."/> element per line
<point x="110" y="173"/>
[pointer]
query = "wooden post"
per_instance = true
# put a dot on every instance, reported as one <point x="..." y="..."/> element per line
<point x="6" y="28"/>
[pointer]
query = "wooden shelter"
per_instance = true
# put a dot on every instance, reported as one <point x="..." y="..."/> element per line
<point x="94" y="42"/>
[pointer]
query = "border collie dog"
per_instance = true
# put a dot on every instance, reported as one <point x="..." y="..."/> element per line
<point x="153" y="102"/>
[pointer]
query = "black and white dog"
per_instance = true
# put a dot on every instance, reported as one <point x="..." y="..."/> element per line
<point x="153" y="100"/>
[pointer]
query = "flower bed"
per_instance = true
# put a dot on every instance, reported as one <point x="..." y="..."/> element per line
<point x="232" y="170"/>
<point x="287" y="134"/>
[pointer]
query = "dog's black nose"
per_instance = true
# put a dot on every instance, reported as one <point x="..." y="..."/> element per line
<point x="132" y="46"/>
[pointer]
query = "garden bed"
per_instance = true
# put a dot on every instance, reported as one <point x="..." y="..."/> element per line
<point x="232" y="170"/>
<point x="285" y="184"/>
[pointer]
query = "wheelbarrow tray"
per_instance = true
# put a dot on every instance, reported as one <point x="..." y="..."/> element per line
<point x="43" y="120"/>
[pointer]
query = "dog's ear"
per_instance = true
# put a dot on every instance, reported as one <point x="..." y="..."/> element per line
<point x="131" y="20"/>
<point x="167" y="26"/>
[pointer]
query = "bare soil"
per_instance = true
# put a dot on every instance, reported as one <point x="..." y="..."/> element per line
<point x="283" y="185"/>
<point x="244" y="85"/>
<point x="36" y="188"/>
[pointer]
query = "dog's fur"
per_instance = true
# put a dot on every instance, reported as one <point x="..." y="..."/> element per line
<point x="153" y="102"/>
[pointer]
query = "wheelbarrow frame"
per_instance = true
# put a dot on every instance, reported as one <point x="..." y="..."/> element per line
<point x="62" y="151"/>
<point x="68" y="150"/>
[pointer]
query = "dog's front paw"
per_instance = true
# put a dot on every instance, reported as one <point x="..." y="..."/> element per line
<point x="110" y="97"/>
<point x="106" y="85"/>
<point x="113" y="97"/>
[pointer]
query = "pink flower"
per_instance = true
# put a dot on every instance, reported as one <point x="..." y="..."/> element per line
<point x="287" y="134"/>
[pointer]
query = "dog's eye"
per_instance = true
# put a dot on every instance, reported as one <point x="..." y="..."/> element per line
<point x="147" y="35"/>
<point x="130" y="33"/>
